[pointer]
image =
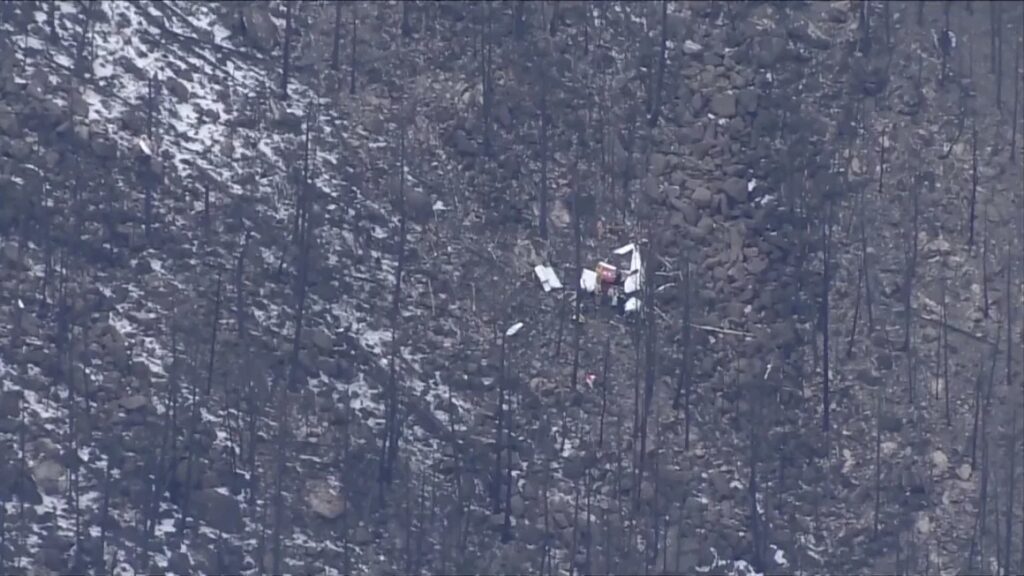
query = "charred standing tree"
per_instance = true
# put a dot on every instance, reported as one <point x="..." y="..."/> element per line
<point x="974" y="183"/>
<point x="911" y="263"/>
<point x="352" y="52"/>
<point x="983" y="382"/>
<point x="824" y="312"/>
<point x="1012" y="457"/>
<point x="486" y="77"/>
<point x="604" y="392"/>
<point x="650" y="355"/>
<point x="659" y="83"/>
<point x="1011" y="478"/>
<point x="878" y="455"/>
<point x="1016" y="96"/>
<point x="51" y="21"/>
<point x="406" y="19"/>
<point x="864" y="27"/>
<point x="392" y="426"/>
<point x="944" y="351"/>
<point x="283" y="405"/>
<point x="336" y="39"/>
<point x="519" y="19"/>
<point x="213" y="337"/>
<point x="499" y="417"/>
<point x="543" y="216"/>
<point x="287" y="51"/>
<point x="577" y="234"/>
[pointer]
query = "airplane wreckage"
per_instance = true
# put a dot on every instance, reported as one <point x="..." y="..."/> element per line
<point x="619" y="287"/>
<point x="613" y="286"/>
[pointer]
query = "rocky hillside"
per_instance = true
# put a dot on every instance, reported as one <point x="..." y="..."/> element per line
<point x="262" y="264"/>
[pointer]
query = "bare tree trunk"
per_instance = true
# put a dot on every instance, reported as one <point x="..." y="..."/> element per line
<point x="392" y="425"/>
<point x="543" y="217"/>
<point x="974" y="181"/>
<point x="287" y="52"/>
<point x="213" y="337"/>
<point x="336" y="42"/>
<point x="604" y="393"/>
<point x="878" y="453"/>
<point x="486" y="77"/>
<point x="352" y="54"/>
<point x="944" y="337"/>
<point x="826" y="240"/>
<point x="659" y="83"/>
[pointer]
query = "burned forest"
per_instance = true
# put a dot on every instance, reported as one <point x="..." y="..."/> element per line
<point x="548" y="287"/>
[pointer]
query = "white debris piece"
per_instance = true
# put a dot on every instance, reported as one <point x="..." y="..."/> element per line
<point x="513" y="329"/>
<point x="625" y="249"/>
<point x="588" y="280"/>
<point x="751" y="184"/>
<point x="439" y="206"/>
<point x="636" y="273"/>
<point x="144" y="146"/>
<point x="690" y="48"/>
<point x="548" y="278"/>
<point x="632" y="305"/>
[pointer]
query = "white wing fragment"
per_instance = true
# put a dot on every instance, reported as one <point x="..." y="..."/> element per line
<point x="636" y="273"/>
<point x="511" y="331"/>
<point x="588" y="280"/>
<point x="548" y="277"/>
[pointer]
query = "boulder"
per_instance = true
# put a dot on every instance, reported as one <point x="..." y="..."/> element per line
<point x="702" y="197"/>
<point x="658" y="164"/>
<point x="321" y="339"/>
<point x="736" y="189"/>
<point x="324" y="500"/>
<point x="964" y="472"/>
<point x="219" y="511"/>
<point x="258" y="28"/>
<point x="49" y="475"/>
<point x="769" y="50"/>
<point x="940" y="463"/>
<point x="134" y="402"/>
<point x="16" y="483"/>
<point x="724" y="105"/>
<point x="419" y="206"/>
<point x="746" y="100"/>
<point x="177" y="88"/>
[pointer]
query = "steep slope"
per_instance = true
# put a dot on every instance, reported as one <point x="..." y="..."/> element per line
<point x="168" y="219"/>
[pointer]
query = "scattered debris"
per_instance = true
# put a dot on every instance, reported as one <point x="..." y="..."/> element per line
<point x="511" y="331"/>
<point x="548" y="278"/>
<point x="590" y="379"/>
<point x="588" y="280"/>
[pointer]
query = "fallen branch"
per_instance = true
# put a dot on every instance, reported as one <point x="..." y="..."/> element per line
<point x="430" y="288"/>
<point x="961" y="331"/>
<point x="722" y="330"/>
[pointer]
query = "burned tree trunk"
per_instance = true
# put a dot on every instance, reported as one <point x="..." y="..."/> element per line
<point x="213" y="337"/>
<point x="287" y="52"/>
<point x="974" y="182"/>
<point x="824" y="312"/>
<point x="392" y="426"/>
<point x="604" y="393"/>
<point x="336" y="41"/>
<point x="543" y="216"/>
<point x="352" y="53"/>
<point x="659" y="83"/>
<point x="486" y="77"/>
